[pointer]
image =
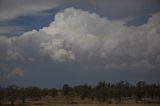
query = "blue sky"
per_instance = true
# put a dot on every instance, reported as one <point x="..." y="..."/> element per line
<point x="49" y="43"/>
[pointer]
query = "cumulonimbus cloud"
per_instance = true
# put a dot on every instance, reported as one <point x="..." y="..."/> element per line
<point x="77" y="35"/>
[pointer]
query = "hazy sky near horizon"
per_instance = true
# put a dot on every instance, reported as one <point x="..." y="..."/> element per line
<point x="48" y="43"/>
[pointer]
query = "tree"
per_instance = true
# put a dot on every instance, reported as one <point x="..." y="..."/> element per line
<point x="53" y="92"/>
<point x="84" y="91"/>
<point x="34" y="93"/>
<point x="45" y="92"/>
<point x="102" y="91"/>
<point x="12" y="93"/>
<point x="66" y="89"/>
<point x="22" y="94"/>
<point x="1" y="95"/>
<point x="158" y="91"/>
<point x="70" y="96"/>
<point x="122" y="89"/>
<point x="140" y="90"/>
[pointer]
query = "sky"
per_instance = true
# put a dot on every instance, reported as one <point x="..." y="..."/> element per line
<point x="49" y="43"/>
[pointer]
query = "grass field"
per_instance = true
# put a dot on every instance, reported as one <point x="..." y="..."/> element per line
<point x="62" y="101"/>
<point x="106" y="105"/>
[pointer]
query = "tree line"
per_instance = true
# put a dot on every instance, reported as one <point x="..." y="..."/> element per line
<point x="102" y="92"/>
<point x="13" y="93"/>
<point x="122" y="90"/>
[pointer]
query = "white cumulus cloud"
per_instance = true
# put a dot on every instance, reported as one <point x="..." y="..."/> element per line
<point x="16" y="72"/>
<point x="77" y="35"/>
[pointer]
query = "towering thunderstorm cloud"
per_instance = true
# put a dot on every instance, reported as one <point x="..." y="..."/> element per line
<point x="80" y="36"/>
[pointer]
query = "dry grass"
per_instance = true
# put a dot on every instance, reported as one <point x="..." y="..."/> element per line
<point x="62" y="101"/>
<point x="86" y="105"/>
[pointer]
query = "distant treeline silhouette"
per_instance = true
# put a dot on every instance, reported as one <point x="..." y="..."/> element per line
<point x="101" y="92"/>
